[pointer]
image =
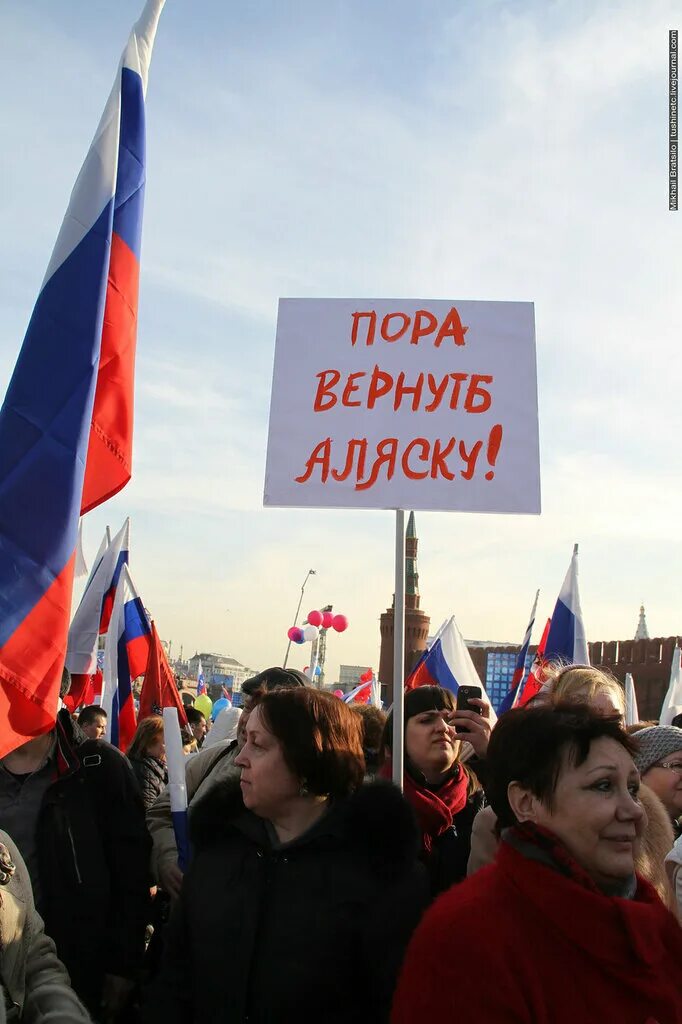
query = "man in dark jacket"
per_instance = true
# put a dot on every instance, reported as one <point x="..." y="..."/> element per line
<point x="74" y="809"/>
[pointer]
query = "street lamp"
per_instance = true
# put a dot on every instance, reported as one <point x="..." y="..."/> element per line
<point x="311" y="572"/>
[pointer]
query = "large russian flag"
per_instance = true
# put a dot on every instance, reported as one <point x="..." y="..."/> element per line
<point x="126" y="654"/>
<point x="67" y="384"/>
<point x="447" y="663"/>
<point x="110" y="444"/>
<point x="566" y="641"/>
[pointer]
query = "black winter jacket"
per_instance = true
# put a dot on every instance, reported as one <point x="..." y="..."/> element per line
<point x="152" y="777"/>
<point x="311" y="931"/>
<point x="447" y="863"/>
<point x="93" y="859"/>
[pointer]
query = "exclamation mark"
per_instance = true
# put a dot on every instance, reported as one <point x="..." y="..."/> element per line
<point x="494" y="442"/>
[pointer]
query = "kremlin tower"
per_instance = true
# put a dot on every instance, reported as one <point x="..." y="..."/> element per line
<point x="416" y="621"/>
<point x="642" y="628"/>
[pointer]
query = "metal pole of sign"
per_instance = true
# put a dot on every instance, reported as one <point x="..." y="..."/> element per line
<point x="399" y="647"/>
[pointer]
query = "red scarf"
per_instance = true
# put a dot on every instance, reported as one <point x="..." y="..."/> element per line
<point x="527" y="836"/>
<point x="435" y="811"/>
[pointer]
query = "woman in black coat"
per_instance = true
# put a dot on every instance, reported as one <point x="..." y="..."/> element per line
<point x="304" y="887"/>
<point x="147" y="755"/>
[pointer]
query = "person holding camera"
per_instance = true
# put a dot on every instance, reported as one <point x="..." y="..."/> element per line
<point x="445" y="793"/>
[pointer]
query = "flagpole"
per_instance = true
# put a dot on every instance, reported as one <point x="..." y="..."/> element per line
<point x="529" y="633"/>
<point x="311" y="572"/>
<point x="399" y="648"/>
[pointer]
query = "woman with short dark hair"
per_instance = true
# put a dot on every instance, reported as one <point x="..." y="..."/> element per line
<point x="560" y="924"/>
<point x="304" y="887"/>
<point x="445" y="794"/>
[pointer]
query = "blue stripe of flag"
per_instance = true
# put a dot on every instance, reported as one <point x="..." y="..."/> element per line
<point x="130" y="177"/>
<point x="45" y="425"/>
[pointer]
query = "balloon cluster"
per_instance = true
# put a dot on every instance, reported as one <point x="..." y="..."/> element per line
<point x="367" y="676"/>
<point x="316" y="621"/>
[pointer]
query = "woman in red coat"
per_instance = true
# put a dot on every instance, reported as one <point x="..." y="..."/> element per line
<point x="559" y="929"/>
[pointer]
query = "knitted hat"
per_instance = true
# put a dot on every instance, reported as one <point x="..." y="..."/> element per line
<point x="655" y="743"/>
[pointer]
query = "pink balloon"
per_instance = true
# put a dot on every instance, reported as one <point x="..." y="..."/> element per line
<point x="340" y="623"/>
<point x="327" y="620"/>
<point x="295" y="635"/>
<point x="338" y="693"/>
<point x="315" y="618"/>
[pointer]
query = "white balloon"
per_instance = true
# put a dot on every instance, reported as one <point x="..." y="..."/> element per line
<point x="310" y="632"/>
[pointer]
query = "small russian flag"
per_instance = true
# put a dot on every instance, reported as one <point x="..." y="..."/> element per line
<point x="126" y="654"/>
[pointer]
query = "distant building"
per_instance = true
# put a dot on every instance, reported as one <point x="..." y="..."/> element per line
<point x="349" y="677"/>
<point x="495" y="664"/>
<point x="648" y="660"/>
<point x="221" y="666"/>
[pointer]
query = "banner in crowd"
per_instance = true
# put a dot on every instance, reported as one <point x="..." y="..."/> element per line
<point x="404" y="404"/>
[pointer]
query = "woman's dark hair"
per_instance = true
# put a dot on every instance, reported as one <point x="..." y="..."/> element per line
<point x="373" y="721"/>
<point x="531" y="745"/>
<point x="321" y="738"/>
<point x="148" y="730"/>
<point x="194" y="716"/>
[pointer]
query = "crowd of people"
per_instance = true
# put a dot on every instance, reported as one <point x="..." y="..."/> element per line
<point x="529" y="873"/>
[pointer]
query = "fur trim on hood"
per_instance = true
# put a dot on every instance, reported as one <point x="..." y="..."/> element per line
<point x="376" y="819"/>
<point x="657" y="841"/>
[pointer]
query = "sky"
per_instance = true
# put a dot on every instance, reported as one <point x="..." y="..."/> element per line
<point x="477" y="150"/>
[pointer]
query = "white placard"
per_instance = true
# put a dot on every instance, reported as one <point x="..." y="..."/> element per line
<point x="402" y="403"/>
